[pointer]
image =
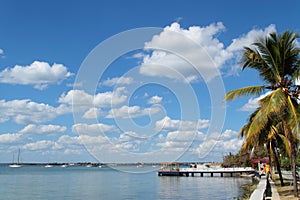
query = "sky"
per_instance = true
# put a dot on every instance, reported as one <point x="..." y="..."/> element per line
<point x="128" y="81"/>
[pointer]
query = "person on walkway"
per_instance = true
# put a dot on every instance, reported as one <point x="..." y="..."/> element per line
<point x="266" y="170"/>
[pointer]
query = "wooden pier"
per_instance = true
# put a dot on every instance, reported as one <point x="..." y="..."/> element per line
<point x="173" y="169"/>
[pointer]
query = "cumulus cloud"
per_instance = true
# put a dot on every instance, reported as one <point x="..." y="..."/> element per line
<point x="9" y="138"/>
<point x="118" y="81"/>
<point x="92" y="113"/>
<point x="252" y="103"/>
<point x="185" y="136"/>
<point x="196" y="44"/>
<point x="155" y="100"/>
<point x="81" y="100"/>
<point x="43" y="129"/>
<point x="246" y="40"/>
<point x="173" y="51"/>
<point x="127" y="112"/>
<point x="220" y="143"/>
<point x="94" y="129"/>
<point x="28" y="112"/>
<point x="250" y="37"/>
<point x="180" y="135"/>
<point x="168" y="124"/>
<point x="39" y="74"/>
<point x="39" y="145"/>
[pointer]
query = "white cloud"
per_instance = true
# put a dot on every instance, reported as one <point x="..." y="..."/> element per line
<point x="94" y="129"/>
<point x="180" y="134"/>
<point x="127" y="146"/>
<point x="39" y="74"/>
<point x="108" y="99"/>
<point x="252" y="103"/>
<point x="174" y="146"/>
<point x="43" y="129"/>
<point x="118" y="81"/>
<point x="128" y="136"/>
<point x="207" y="53"/>
<point x="180" y="141"/>
<point x="77" y="99"/>
<point x="39" y="145"/>
<point x="92" y="113"/>
<point x="155" y="100"/>
<point x="84" y="101"/>
<point x="185" y="136"/>
<point x="1" y="51"/>
<point x="28" y="112"/>
<point x="10" y="138"/>
<point x="202" y="124"/>
<point x="127" y="112"/>
<point x="169" y="124"/>
<point x="247" y="39"/>
<point x="229" y="134"/>
<point x="68" y="140"/>
<point x="138" y="55"/>
<point x="73" y="151"/>
<point x="220" y="144"/>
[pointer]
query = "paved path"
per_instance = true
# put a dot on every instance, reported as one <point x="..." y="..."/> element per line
<point x="258" y="193"/>
<point x="275" y="195"/>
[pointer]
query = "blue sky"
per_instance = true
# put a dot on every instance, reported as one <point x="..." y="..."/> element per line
<point x="128" y="81"/>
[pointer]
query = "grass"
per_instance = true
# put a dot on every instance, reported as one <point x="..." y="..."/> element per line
<point x="285" y="192"/>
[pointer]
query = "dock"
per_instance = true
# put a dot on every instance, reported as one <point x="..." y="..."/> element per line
<point x="173" y="169"/>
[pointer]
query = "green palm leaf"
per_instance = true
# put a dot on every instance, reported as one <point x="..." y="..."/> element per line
<point x="252" y="90"/>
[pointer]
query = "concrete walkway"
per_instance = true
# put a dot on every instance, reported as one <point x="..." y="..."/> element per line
<point x="275" y="195"/>
<point x="258" y="193"/>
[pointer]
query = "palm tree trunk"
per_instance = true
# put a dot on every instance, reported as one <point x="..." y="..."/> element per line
<point x="293" y="160"/>
<point x="276" y="159"/>
<point x="292" y="149"/>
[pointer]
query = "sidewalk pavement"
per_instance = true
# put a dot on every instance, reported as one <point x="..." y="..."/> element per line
<point x="258" y="193"/>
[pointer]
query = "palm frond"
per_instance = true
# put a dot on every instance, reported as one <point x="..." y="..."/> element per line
<point x="254" y="60"/>
<point x="274" y="102"/>
<point x="246" y="91"/>
<point x="293" y="115"/>
<point x="285" y="143"/>
<point x="269" y="105"/>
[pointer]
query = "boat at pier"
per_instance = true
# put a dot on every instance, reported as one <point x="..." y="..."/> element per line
<point x="174" y="169"/>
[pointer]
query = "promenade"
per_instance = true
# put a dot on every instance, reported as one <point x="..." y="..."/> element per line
<point x="258" y="193"/>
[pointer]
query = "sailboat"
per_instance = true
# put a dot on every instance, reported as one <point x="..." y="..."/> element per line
<point x="48" y="165"/>
<point x="16" y="165"/>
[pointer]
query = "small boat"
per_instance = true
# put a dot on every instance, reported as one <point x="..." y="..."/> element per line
<point x="48" y="166"/>
<point x="64" y="165"/>
<point x="16" y="165"/>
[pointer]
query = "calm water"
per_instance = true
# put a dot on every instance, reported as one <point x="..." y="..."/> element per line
<point x="37" y="182"/>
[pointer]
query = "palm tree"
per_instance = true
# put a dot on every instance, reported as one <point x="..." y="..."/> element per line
<point x="269" y="136"/>
<point x="276" y="58"/>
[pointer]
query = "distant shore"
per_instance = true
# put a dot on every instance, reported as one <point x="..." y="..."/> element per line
<point x="97" y="163"/>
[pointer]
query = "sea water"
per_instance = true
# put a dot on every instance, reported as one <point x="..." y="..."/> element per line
<point x="117" y="182"/>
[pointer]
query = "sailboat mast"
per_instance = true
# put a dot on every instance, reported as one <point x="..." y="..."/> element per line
<point x="19" y="156"/>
